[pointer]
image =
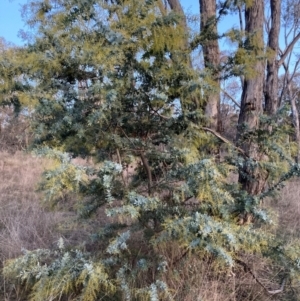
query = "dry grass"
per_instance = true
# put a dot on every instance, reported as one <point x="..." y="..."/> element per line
<point x="198" y="280"/>
<point x="25" y="223"/>
<point x="288" y="208"/>
<point x="194" y="279"/>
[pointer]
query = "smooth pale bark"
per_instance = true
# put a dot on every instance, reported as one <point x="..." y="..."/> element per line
<point x="211" y="54"/>
<point x="295" y="116"/>
<point x="271" y="84"/>
<point x="288" y="78"/>
<point x="292" y="36"/>
<point x="252" y="96"/>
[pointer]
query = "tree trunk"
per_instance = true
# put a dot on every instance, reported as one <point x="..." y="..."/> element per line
<point x="295" y="116"/>
<point x="271" y="84"/>
<point x="176" y="6"/>
<point x="252" y="97"/>
<point x="211" y="54"/>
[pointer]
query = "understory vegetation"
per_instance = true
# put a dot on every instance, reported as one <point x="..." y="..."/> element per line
<point x="28" y="223"/>
<point x="130" y="171"/>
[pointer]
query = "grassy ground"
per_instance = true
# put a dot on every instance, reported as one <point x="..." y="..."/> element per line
<point x="25" y="221"/>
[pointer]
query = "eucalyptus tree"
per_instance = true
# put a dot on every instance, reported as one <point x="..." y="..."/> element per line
<point x="271" y="83"/>
<point x="211" y="54"/>
<point x="289" y="59"/>
<point x="252" y="95"/>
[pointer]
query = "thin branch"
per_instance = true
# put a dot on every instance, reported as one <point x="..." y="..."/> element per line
<point x="274" y="292"/>
<point x="120" y="162"/>
<point x="148" y="171"/>
<point x="288" y="78"/>
<point x="287" y="34"/>
<point x="285" y="66"/>
<point x="283" y="91"/>
<point x="176" y="260"/>
<point x="157" y="113"/>
<point x="229" y="96"/>
<point x="295" y="69"/>
<point x="240" y="18"/>
<point x="288" y="49"/>
<point x="126" y="135"/>
<point x="267" y="25"/>
<point x="223" y="139"/>
<point x="248" y="270"/>
<point x="145" y="164"/>
<point x="163" y="117"/>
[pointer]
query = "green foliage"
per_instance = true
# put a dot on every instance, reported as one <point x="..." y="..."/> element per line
<point x="14" y="88"/>
<point x="62" y="176"/>
<point x="51" y="275"/>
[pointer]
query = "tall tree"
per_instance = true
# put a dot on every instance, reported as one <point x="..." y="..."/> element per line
<point x="211" y="53"/>
<point x="271" y="83"/>
<point x="252" y="95"/>
<point x="291" y="26"/>
<point x="277" y="56"/>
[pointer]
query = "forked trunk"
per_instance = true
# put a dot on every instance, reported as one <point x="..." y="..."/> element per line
<point x="250" y="177"/>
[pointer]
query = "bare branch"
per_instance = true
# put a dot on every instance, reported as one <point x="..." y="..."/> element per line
<point x="284" y="83"/>
<point x="229" y="96"/>
<point x="240" y="18"/>
<point x="267" y="25"/>
<point x="223" y="139"/>
<point x="120" y="162"/>
<point x="274" y="292"/>
<point x="148" y="171"/>
<point x="287" y="77"/>
<point x="288" y="49"/>
<point x="295" y="68"/>
<point x="247" y="269"/>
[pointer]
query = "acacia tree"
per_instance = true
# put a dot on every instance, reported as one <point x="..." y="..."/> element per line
<point x="211" y="55"/>
<point x="112" y="82"/>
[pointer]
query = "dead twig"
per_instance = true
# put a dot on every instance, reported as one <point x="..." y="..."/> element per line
<point x="248" y="270"/>
<point x="148" y="171"/>
<point x="223" y="139"/>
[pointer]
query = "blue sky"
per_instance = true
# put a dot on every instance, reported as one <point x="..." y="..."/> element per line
<point x="11" y="21"/>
